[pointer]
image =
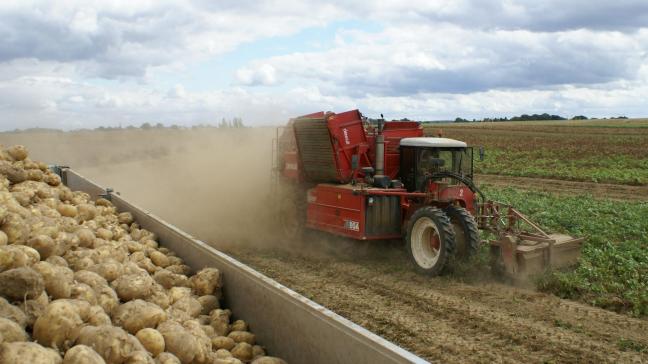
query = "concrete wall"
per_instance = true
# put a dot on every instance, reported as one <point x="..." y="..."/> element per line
<point x="287" y="324"/>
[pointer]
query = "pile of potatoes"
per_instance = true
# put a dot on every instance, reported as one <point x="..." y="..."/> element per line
<point x="82" y="283"/>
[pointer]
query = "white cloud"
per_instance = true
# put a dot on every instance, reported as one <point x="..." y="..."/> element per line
<point x="74" y="63"/>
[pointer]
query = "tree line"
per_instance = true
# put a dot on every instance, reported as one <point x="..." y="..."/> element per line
<point x="533" y="117"/>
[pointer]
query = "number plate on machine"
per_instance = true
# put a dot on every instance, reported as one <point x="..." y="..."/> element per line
<point x="352" y="225"/>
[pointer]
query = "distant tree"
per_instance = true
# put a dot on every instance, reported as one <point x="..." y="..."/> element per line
<point x="159" y="126"/>
<point x="460" y="120"/>
<point x="145" y="126"/>
<point x="579" y="117"/>
<point x="174" y="126"/>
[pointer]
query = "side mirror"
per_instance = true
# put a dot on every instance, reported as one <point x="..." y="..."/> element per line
<point x="481" y="154"/>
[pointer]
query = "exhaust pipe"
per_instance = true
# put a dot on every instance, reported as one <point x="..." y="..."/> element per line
<point x="379" y="179"/>
<point x="380" y="153"/>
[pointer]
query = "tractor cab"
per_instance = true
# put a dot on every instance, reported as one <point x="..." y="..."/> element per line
<point x="427" y="159"/>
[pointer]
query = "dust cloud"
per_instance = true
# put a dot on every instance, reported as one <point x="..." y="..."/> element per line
<point x="212" y="183"/>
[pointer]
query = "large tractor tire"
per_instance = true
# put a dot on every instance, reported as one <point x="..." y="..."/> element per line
<point x="430" y="240"/>
<point x="465" y="231"/>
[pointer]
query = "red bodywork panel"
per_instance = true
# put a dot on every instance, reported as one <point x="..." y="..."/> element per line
<point x="375" y="213"/>
<point x="349" y="137"/>
<point x="338" y="210"/>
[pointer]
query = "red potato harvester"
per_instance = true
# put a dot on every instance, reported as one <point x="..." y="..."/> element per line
<point x="374" y="180"/>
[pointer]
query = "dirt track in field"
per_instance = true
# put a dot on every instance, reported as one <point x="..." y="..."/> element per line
<point x="445" y="320"/>
<point x="556" y="186"/>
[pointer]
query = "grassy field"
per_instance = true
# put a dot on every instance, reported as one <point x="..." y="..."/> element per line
<point x="611" y="151"/>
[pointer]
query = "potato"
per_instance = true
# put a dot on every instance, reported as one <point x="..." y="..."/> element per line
<point x="133" y="286"/>
<point x="58" y="280"/>
<point x="223" y="354"/>
<point x="257" y="350"/>
<point x="179" y="269"/>
<point x="177" y="293"/>
<point x="208" y="304"/>
<point x="86" y="237"/>
<point x="57" y="260"/>
<point x="169" y="280"/>
<point x="206" y="282"/>
<point x="3" y="236"/>
<point x="242" y="351"/>
<point x="186" y="308"/>
<point x="21" y="283"/>
<point x="82" y="354"/>
<point x="231" y="360"/>
<point x="84" y="292"/>
<point x="17" y="152"/>
<point x="67" y="210"/>
<point x="12" y="312"/>
<point x="11" y="257"/>
<point x="103" y="202"/>
<point x="59" y="325"/>
<point x="139" y="357"/>
<point x="13" y="173"/>
<point x="26" y="352"/>
<point x="242" y="336"/>
<point x="159" y="259"/>
<point x="220" y="321"/>
<point x="44" y="245"/>
<point x="106" y="298"/>
<point x="222" y="342"/>
<point x="97" y="316"/>
<point x="204" y="342"/>
<point x="35" y="308"/>
<point x="52" y="179"/>
<point x="159" y="297"/>
<point x="136" y="315"/>
<point x="112" y="343"/>
<point x="16" y="229"/>
<point x="109" y="270"/>
<point x="35" y="175"/>
<point x="268" y="360"/>
<point x="179" y="341"/>
<point x="11" y="331"/>
<point x="104" y="234"/>
<point x="32" y="254"/>
<point x="239" y="325"/>
<point x="167" y="358"/>
<point x="125" y="218"/>
<point x="92" y="279"/>
<point x="152" y="340"/>
<point x="86" y="212"/>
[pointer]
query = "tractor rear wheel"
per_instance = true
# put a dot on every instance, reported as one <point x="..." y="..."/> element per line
<point x="429" y="240"/>
<point x="465" y="230"/>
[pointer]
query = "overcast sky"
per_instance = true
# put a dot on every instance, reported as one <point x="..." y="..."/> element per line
<point x="82" y="64"/>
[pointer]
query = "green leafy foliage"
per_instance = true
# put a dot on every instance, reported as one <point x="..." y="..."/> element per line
<point x="613" y="269"/>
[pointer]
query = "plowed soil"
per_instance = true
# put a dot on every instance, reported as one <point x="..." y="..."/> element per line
<point x="556" y="186"/>
<point x="445" y="320"/>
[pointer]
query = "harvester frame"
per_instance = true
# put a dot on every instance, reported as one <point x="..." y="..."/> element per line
<point x="374" y="180"/>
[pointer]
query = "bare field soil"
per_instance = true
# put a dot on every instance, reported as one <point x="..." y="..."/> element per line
<point x="449" y="321"/>
<point x="213" y="184"/>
